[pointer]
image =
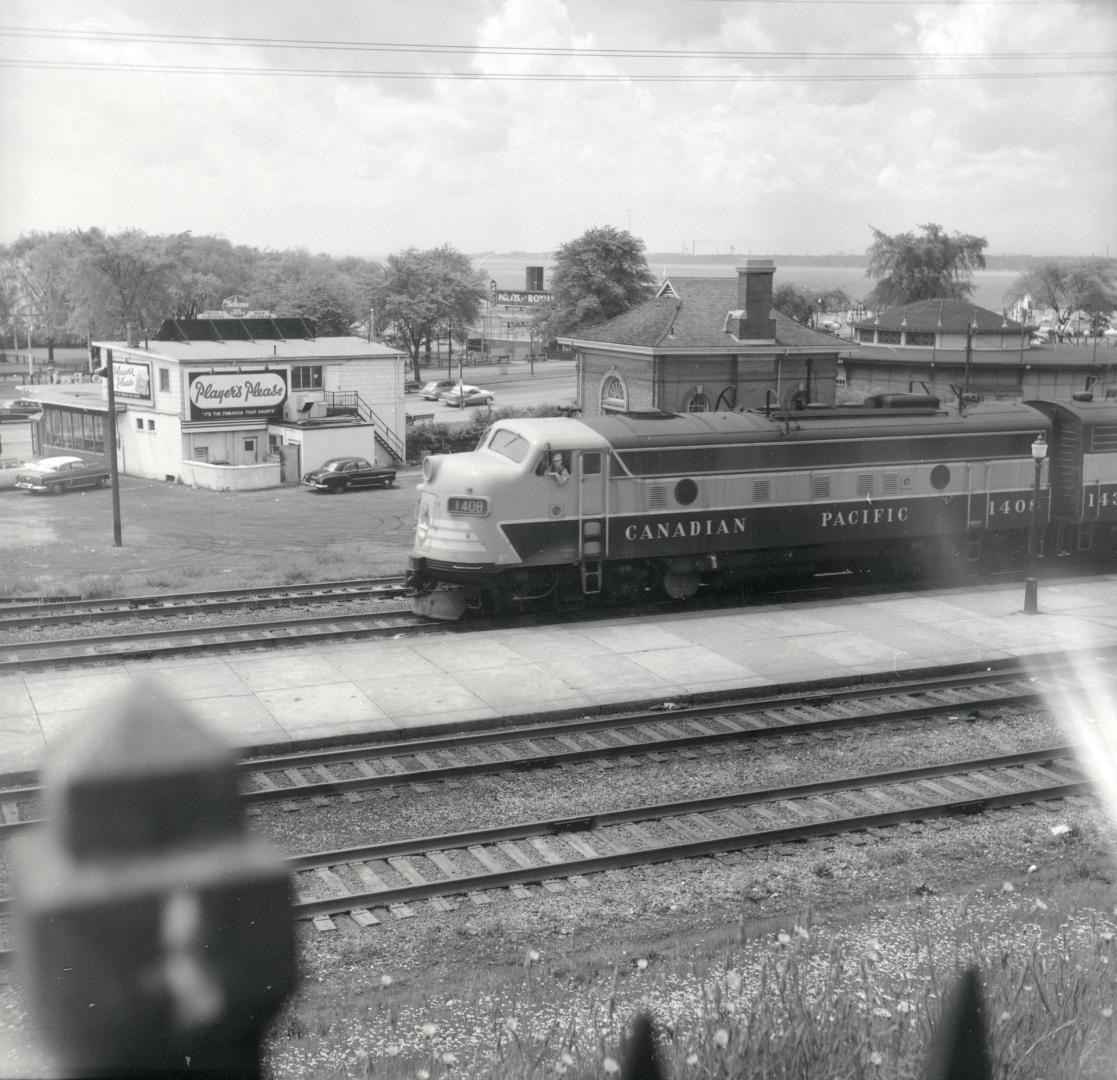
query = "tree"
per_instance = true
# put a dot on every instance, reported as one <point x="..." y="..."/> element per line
<point x="1066" y="286"/>
<point x="803" y="306"/>
<point x="425" y="291"/>
<point x="36" y="270"/>
<point x="128" y="277"/>
<point x="596" y="277"/>
<point x="929" y="267"/>
<point x="309" y="286"/>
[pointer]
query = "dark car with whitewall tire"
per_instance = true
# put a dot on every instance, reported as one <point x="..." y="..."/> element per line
<point x="434" y="389"/>
<point x="344" y="473"/>
<point x="19" y="409"/>
<point x="55" y="475"/>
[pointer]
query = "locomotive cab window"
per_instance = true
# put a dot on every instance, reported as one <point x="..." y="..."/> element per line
<point x="555" y="464"/>
<point x="591" y="464"/>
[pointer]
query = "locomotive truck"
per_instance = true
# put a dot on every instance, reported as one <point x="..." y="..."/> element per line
<point x="563" y="512"/>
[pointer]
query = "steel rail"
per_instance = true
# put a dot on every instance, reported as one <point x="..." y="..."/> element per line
<point x="246" y="635"/>
<point x="659" y="853"/>
<point x="655" y="742"/>
<point x="675" y="851"/>
<point x="152" y="600"/>
<point x="102" y="611"/>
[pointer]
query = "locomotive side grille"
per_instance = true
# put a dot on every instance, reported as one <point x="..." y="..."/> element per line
<point x="864" y="483"/>
<point x="1103" y="439"/>
<point x="890" y="483"/>
<point x="761" y="491"/>
<point x="820" y="487"/>
<point x="657" y="496"/>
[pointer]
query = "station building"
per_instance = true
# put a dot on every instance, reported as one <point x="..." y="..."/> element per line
<point x="948" y="347"/>
<point x="704" y="344"/>
<point x="232" y="403"/>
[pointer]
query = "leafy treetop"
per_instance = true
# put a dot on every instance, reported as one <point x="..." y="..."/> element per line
<point x="929" y="267"/>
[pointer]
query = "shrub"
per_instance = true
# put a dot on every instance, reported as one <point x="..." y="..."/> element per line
<point x="441" y="438"/>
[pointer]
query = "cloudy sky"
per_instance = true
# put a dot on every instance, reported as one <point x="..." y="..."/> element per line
<point x="367" y="126"/>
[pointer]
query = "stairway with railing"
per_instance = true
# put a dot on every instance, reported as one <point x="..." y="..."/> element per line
<point x="350" y="403"/>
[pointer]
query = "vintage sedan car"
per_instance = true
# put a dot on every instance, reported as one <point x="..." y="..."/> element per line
<point x="343" y="473"/>
<point x="467" y="395"/>
<point x="433" y="390"/>
<point x="55" y="475"/>
<point x="19" y="409"/>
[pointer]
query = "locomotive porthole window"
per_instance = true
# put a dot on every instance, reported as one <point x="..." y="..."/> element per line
<point x="940" y="477"/>
<point x="686" y="491"/>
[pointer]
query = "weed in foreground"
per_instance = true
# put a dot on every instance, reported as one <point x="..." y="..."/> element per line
<point x="862" y="1002"/>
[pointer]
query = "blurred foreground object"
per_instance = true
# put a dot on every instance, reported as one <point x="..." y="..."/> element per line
<point x="154" y="936"/>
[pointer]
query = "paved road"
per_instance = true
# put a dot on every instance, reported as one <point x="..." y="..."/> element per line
<point x="553" y="383"/>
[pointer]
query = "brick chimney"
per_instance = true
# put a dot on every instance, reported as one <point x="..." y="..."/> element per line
<point x="753" y="320"/>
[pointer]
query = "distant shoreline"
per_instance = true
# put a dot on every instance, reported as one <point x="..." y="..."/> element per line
<point x="1017" y="263"/>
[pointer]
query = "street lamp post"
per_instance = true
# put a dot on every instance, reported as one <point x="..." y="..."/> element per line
<point x="1031" y="586"/>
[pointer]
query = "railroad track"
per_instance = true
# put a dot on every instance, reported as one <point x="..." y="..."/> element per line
<point x="498" y="863"/>
<point x="98" y="648"/>
<point x="315" y="777"/>
<point x="559" y="853"/>
<point x="47" y="612"/>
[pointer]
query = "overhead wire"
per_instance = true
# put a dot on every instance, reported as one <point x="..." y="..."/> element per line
<point x="508" y="76"/>
<point x="316" y="44"/>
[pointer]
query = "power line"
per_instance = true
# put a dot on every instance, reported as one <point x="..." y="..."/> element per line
<point x="577" y="77"/>
<point x="223" y="41"/>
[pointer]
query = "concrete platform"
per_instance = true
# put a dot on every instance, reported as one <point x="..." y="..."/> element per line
<point x="386" y="689"/>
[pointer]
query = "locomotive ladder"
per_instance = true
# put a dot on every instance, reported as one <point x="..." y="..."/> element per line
<point x="592" y="511"/>
<point x="592" y="545"/>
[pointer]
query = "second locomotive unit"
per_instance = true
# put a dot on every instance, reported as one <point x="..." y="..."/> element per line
<point x="560" y="512"/>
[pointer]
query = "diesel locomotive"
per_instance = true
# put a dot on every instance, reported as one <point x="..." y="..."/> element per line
<point x="562" y="512"/>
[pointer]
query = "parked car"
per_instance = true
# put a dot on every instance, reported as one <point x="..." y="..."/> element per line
<point x="19" y="409"/>
<point x="467" y="395"/>
<point x="432" y="391"/>
<point x="343" y="473"/>
<point x="57" y="474"/>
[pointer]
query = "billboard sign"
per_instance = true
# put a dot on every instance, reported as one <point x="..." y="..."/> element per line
<point x="236" y="395"/>
<point x="131" y="380"/>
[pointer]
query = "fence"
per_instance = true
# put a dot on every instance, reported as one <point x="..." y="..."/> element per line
<point x="155" y="937"/>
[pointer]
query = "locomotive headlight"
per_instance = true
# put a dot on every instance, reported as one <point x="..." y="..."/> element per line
<point x="430" y="466"/>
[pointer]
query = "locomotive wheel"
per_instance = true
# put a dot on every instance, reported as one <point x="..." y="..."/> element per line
<point x="680" y="586"/>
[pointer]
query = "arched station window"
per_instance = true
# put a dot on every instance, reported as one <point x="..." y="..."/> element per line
<point x="698" y="402"/>
<point x="614" y="396"/>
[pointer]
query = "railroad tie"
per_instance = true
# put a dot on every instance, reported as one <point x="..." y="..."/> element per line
<point x="552" y="857"/>
<point x="442" y="861"/>
<point x="336" y="886"/>
<point x="521" y="860"/>
<point x="493" y="867"/>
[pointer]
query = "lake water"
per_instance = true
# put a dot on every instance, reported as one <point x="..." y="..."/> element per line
<point x="990" y="286"/>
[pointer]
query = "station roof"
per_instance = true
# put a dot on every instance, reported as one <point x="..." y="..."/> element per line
<point x="690" y="313"/>
<point x="945" y="316"/>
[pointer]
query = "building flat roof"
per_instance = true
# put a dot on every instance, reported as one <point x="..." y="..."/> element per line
<point x="257" y="352"/>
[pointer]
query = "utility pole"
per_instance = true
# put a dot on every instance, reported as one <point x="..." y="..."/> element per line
<point x="110" y="448"/>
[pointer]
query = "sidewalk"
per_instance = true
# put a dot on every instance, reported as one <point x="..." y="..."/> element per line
<point x="456" y="680"/>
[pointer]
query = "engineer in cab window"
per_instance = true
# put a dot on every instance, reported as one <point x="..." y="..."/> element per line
<point x="558" y="468"/>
